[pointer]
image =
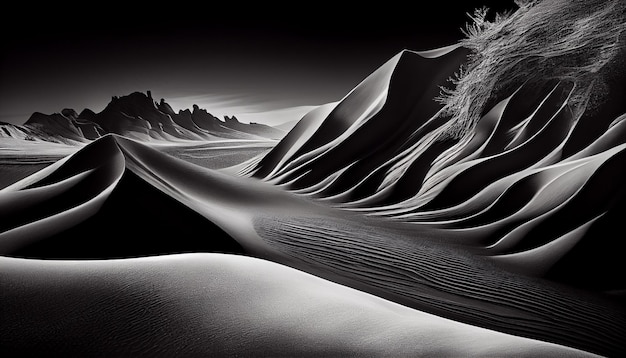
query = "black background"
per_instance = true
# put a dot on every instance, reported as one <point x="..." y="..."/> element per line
<point x="305" y="53"/>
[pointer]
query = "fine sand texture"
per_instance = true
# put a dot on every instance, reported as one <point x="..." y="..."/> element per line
<point x="215" y="304"/>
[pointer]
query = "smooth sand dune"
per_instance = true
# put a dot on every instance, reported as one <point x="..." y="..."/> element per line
<point x="538" y="261"/>
<point x="89" y="204"/>
<point x="19" y="159"/>
<point x="371" y="120"/>
<point x="294" y="140"/>
<point x="214" y="304"/>
<point x="217" y="154"/>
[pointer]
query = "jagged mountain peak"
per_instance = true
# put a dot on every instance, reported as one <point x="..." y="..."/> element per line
<point x="137" y="115"/>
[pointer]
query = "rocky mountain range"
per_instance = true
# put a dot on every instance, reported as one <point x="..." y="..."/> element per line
<point x="136" y="116"/>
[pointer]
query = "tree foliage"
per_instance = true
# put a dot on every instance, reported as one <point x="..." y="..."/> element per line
<point x="568" y="40"/>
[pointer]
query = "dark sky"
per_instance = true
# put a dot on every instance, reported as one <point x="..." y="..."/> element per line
<point x="304" y="55"/>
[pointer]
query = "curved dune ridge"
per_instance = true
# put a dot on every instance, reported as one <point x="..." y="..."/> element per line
<point x="527" y="183"/>
<point x="88" y="204"/>
<point x="118" y="198"/>
<point x="511" y="228"/>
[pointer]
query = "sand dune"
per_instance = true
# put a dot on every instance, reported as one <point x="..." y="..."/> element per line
<point x="515" y="184"/>
<point x="178" y="305"/>
<point x="423" y="274"/>
<point x="512" y="227"/>
<point x="170" y="206"/>
<point x="90" y="204"/>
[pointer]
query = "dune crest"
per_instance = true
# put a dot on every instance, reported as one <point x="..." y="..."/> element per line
<point x="77" y="208"/>
<point x="515" y="179"/>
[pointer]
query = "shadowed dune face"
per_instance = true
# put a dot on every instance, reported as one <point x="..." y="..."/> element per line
<point x="90" y="204"/>
<point x="529" y="186"/>
<point x="120" y="198"/>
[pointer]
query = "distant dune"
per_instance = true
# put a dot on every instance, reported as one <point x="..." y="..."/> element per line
<point x="287" y="126"/>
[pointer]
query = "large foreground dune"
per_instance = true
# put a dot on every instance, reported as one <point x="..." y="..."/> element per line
<point x="215" y="304"/>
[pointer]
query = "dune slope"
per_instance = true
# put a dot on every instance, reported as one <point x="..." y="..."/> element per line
<point x="178" y="305"/>
<point x="522" y="184"/>
<point x="89" y="205"/>
<point x="76" y="207"/>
